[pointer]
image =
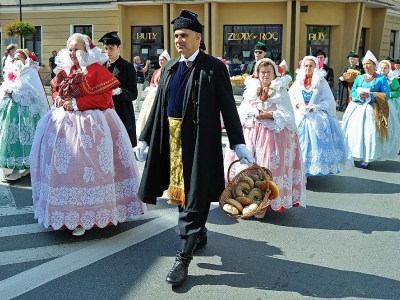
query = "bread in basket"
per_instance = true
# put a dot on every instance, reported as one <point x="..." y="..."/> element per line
<point x="247" y="192"/>
<point x="351" y="75"/>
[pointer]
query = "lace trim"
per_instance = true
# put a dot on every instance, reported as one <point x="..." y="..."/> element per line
<point x="15" y="162"/>
<point x="325" y="170"/>
<point x="84" y="196"/>
<point x="89" y="218"/>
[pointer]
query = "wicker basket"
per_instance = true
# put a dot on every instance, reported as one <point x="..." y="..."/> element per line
<point x="227" y="193"/>
<point x="350" y="77"/>
<point x="237" y="81"/>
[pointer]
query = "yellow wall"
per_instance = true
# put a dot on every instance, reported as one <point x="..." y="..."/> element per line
<point x="392" y="23"/>
<point x="56" y="28"/>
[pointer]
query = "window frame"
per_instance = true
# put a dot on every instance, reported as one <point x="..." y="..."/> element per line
<point x="73" y="26"/>
<point x="39" y="54"/>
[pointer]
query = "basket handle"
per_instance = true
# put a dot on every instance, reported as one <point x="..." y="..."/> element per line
<point x="255" y="164"/>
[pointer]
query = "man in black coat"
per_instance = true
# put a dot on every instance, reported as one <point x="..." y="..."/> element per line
<point x="260" y="50"/>
<point x="194" y="89"/>
<point x="329" y="71"/>
<point x="343" y="85"/>
<point x="125" y="72"/>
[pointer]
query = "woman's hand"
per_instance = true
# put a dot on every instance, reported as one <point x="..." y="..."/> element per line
<point x="58" y="101"/>
<point x="68" y="105"/>
<point x="265" y="114"/>
<point x="364" y="95"/>
<point x="8" y="94"/>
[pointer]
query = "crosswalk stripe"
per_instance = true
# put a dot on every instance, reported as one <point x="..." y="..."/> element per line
<point x="30" y="279"/>
<point x="6" y="198"/>
<point x="40" y="253"/>
<point x="10" y="211"/>
<point x="37" y="228"/>
<point x="23" y="282"/>
<point x="22" y="229"/>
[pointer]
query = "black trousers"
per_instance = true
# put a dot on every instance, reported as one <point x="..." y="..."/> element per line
<point x="191" y="222"/>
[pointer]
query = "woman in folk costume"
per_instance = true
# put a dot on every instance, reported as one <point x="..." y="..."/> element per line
<point x="83" y="170"/>
<point x="270" y="133"/>
<point x="322" y="141"/>
<point x="286" y="75"/>
<point x="394" y="101"/>
<point x="368" y="124"/>
<point x="23" y="102"/>
<point x="151" y="93"/>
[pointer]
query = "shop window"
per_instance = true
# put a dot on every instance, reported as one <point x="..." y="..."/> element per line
<point x="84" y="29"/>
<point x="239" y="42"/>
<point x="34" y="43"/>
<point x="148" y="43"/>
<point x="318" y="37"/>
<point x="393" y="41"/>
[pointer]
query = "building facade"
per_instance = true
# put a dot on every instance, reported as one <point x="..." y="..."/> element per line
<point x="290" y="29"/>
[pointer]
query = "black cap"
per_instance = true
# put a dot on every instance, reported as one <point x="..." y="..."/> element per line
<point x="389" y="58"/>
<point x="187" y="20"/>
<point x="111" y="38"/>
<point x="319" y="52"/>
<point x="397" y="61"/>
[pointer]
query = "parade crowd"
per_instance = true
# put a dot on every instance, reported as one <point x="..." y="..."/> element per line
<point x="81" y="151"/>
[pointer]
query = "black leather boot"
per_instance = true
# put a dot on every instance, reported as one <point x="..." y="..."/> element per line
<point x="177" y="275"/>
<point x="201" y="240"/>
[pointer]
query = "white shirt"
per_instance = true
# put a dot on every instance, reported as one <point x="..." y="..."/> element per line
<point x="191" y="58"/>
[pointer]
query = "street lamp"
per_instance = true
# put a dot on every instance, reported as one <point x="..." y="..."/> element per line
<point x="20" y="18"/>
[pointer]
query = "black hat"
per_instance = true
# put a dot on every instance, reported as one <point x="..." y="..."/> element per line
<point x="352" y="54"/>
<point x="187" y="20"/>
<point x="389" y="58"/>
<point x="260" y="46"/>
<point x="202" y="46"/>
<point x="110" y="38"/>
<point x="319" y="52"/>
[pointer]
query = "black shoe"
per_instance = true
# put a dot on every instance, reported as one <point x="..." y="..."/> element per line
<point x="177" y="275"/>
<point x="201" y="240"/>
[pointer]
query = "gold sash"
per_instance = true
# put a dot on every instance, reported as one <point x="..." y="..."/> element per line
<point x="176" y="189"/>
<point x="381" y="114"/>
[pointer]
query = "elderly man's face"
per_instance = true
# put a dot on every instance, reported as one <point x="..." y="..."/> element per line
<point x="321" y="58"/>
<point x="353" y="60"/>
<point x="187" y="41"/>
<point x="259" y="54"/>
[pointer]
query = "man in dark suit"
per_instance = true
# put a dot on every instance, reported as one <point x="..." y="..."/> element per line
<point x="260" y="50"/>
<point x="125" y="72"/>
<point x="329" y="71"/>
<point x="344" y="87"/>
<point x="183" y="132"/>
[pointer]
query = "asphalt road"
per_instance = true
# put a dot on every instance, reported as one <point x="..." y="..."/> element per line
<point x="344" y="245"/>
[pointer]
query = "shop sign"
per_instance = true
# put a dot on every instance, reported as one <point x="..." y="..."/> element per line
<point x="319" y="36"/>
<point x="146" y="35"/>
<point x="247" y="36"/>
